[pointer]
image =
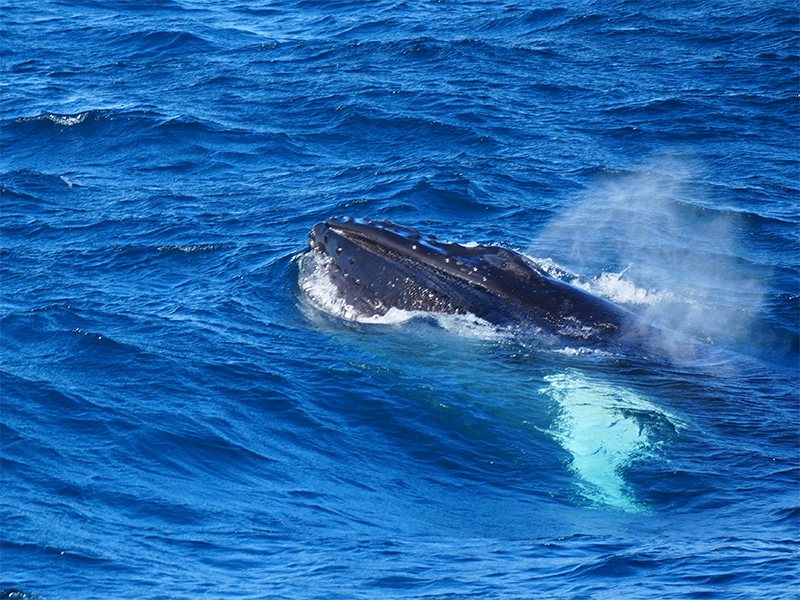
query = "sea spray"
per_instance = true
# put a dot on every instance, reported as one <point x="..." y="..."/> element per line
<point x="625" y="240"/>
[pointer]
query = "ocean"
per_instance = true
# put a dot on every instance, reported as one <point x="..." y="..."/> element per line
<point x="183" y="417"/>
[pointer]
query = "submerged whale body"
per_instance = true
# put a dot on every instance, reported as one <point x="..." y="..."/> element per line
<point x="378" y="265"/>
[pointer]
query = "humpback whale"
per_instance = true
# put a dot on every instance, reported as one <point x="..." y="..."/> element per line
<point x="378" y="265"/>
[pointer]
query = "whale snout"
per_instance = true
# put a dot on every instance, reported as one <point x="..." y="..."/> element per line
<point x="318" y="237"/>
<point x="331" y="236"/>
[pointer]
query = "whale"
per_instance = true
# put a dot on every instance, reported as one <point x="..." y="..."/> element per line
<point x="377" y="265"/>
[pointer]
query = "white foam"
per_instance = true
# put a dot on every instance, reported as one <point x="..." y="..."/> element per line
<point x="582" y="351"/>
<point x="551" y="268"/>
<point x="315" y="281"/>
<point x="613" y="287"/>
<point x="469" y="326"/>
<point x="68" y="120"/>
<point x="188" y="249"/>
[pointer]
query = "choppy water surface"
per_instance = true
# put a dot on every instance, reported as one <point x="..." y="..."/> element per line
<point x="181" y="420"/>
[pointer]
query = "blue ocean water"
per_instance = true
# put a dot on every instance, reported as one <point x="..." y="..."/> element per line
<point x="181" y="418"/>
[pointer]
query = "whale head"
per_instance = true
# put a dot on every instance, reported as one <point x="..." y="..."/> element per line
<point x="377" y="265"/>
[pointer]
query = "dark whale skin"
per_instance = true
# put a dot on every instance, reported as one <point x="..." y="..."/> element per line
<point x="378" y="265"/>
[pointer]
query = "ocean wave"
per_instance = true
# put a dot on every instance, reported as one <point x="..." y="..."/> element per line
<point x="154" y="44"/>
<point x="87" y="121"/>
<point x="65" y="121"/>
<point x="194" y="248"/>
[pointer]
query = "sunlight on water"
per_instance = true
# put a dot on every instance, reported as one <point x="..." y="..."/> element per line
<point x="600" y="425"/>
